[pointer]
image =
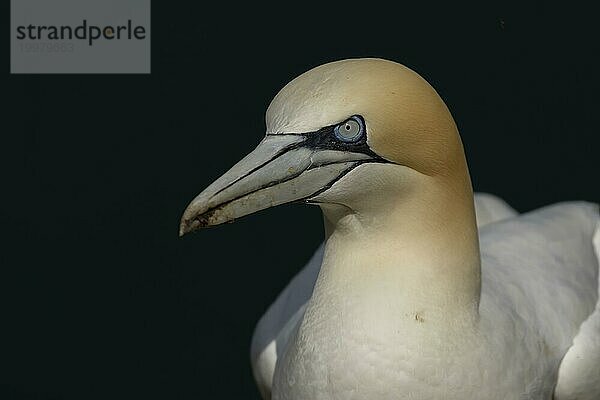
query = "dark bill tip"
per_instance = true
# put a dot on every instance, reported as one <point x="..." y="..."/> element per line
<point x="193" y="223"/>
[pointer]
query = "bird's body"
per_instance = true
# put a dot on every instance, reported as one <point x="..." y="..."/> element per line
<point x="538" y="283"/>
<point x="406" y="299"/>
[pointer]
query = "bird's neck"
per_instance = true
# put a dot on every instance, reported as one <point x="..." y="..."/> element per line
<point x="416" y="257"/>
<point x="398" y="289"/>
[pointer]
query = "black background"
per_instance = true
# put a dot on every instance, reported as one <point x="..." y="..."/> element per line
<point x="101" y="299"/>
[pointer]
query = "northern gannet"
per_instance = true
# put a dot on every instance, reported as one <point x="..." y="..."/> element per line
<point x="406" y="299"/>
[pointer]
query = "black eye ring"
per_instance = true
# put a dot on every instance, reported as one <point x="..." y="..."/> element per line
<point x="350" y="130"/>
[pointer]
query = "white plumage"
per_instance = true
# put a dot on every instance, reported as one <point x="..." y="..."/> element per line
<point x="543" y="265"/>
<point x="420" y="290"/>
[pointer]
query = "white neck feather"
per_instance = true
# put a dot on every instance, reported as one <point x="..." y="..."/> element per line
<point x="400" y="281"/>
<point x="419" y="257"/>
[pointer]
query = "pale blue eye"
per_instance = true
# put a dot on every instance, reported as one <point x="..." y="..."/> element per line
<point x="350" y="130"/>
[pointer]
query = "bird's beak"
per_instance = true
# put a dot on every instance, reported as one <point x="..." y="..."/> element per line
<point x="283" y="168"/>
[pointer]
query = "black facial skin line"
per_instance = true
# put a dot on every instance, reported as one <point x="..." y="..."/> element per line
<point x="324" y="139"/>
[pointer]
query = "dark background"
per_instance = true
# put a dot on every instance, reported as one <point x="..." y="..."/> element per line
<point x="100" y="298"/>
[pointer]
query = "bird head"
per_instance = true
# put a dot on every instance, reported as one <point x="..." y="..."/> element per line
<point x="346" y="134"/>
